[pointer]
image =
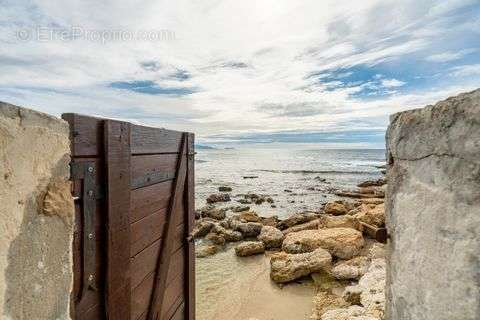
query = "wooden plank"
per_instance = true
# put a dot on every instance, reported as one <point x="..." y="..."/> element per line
<point x="157" y="300"/>
<point x="179" y="313"/>
<point x="190" y="219"/>
<point x="148" y="140"/>
<point x="152" y="169"/>
<point x="147" y="200"/>
<point x="117" y="156"/>
<point x="142" y="293"/>
<point x="145" y="262"/>
<point x="86" y="134"/>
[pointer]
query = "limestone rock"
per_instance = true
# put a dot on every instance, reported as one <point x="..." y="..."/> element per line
<point x="324" y="301"/>
<point x="270" y="221"/>
<point x="370" y="213"/>
<point x="343" y="243"/>
<point x="202" y="228"/>
<point x="224" y="189"/>
<point x="335" y="208"/>
<point x="215" y="213"/>
<point x="432" y="210"/>
<point x="271" y="237"/>
<point x="350" y="313"/>
<point x="375" y="183"/>
<point x="286" y="267"/>
<point x="311" y="225"/>
<point x="249" y="248"/>
<point x="219" y="197"/>
<point x="297" y="218"/>
<point x="350" y="269"/>
<point x="203" y="251"/>
<point x="249" y="216"/>
<point x="345" y="221"/>
<point x="227" y="234"/>
<point x="215" y="238"/>
<point x="247" y="229"/>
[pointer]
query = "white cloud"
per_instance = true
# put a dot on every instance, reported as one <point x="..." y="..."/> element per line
<point x="392" y="83"/>
<point x="449" y="56"/>
<point x="239" y="55"/>
<point x="466" y="70"/>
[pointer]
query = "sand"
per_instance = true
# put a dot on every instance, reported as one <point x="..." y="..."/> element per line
<point x="228" y="287"/>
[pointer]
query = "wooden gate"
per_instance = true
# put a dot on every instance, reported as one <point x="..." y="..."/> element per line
<point x="134" y="192"/>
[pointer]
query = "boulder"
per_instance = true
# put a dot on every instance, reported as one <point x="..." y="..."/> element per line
<point x="286" y="267"/>
<point x="351" y="269"/>
<point x="371" y="214"/>
<point x="247" y="229"/>
<point x="215" y="213"/>
<point x="202" y="228"/>
<point x="304" y="226"/>
<point x="343" y="243"/>
<point x="350" y="313"/>
<point x="324" y="301"/>
<point x="335" y="208"/>
<point x="271" y="237"/>
<point x="227" y="234"/>
<point x="345" y="221"/>
<point x="215" y="238"/>
<point x="249" y="216"/>
<point x="205" y="250"/>
<point x="297" y="218"/>
<point x="218" y="197"/>
<point x="224" y="189"/>
<point x="249" y="248"/>
<point x="240" y="208"/>
<point x="372" y="183"/>
<point x="270" y="221"/>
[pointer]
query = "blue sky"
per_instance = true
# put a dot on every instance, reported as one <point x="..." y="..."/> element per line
<point x="323" y="72"/>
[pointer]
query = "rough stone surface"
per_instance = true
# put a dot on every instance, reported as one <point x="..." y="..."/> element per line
<point x="304" y="226"/>
<point x="350" y="313"/>
<point x="297" y="218"/>
<point x="203" y="251"/>
<point x="345" y="221"/>
<point x="247" y="229"/>
<point x="202" y="228"/>
<point x="370" y="213"/>
<point x="335" y="208"/>
<point x="350" y="269"/>
<point x="324" y="301"/>
<point x="286" y="267"/>
<point x="271" y="237"/>
<point x="227" y="234"/>
<point x="36" y="216"/>
<point x="249" y="248"/>
<point x="343" y="243"/>
<point x="432" y="211"/>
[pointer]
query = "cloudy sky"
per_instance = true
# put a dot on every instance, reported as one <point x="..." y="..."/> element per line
<point x="243" y="71"/>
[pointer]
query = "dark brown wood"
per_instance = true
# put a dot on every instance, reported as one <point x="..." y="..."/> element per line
<point x="190" y="218"/>
<point x="137" y="168"/>
<point x="379" y="234"/>
<point x="163" y="264"/>
<point x="147" y="140"/>
<point x="117" y="156"/>
<point x="152" y="169"/>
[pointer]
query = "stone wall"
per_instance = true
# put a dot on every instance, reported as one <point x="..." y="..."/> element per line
<point x="433" y="211"/>
<point x="36" y="216"/>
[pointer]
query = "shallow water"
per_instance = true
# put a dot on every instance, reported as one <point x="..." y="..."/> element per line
<point x="235" y="288"/>
<point x="232" y="288"/>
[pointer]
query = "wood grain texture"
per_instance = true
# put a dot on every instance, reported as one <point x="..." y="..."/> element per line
<point x="117" y="156"/>
<point x="190" y="219"/>
<point x="163" y="264"/>
<point x="148" y="140"/>
<point x="147" y="200"/>
<point x="152" y="169"/>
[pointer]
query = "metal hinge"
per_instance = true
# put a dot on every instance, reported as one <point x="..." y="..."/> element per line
<point x="86" y="172"/>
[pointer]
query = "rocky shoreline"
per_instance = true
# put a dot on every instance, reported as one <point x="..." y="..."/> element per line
<point x="337" y="247"/>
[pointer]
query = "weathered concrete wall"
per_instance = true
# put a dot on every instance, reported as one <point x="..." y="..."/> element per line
<point x="36" y="216"/>
<point x="433" y="211"/>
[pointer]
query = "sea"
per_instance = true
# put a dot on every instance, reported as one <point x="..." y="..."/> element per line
<point x="297" y="178"/>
